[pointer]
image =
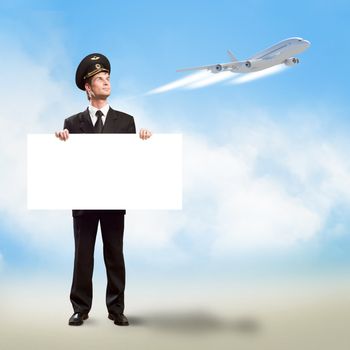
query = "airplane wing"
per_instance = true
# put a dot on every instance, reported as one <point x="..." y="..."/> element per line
<point x="212" y="67"/>
<point x="195" y="68"/>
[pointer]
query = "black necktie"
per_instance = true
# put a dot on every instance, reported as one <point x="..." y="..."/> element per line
<point x="98" y="125"/>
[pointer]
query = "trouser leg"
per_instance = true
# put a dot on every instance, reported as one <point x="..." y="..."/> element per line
<point x="112" y="229"/>
<point x="85" y="229"/>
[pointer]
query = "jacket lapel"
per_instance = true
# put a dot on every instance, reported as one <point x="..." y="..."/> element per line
<point x="85" y="122"/>
<point x="112" y="122"/>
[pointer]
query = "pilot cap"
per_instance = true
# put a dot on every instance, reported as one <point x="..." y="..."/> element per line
<point x="89" y="66"/>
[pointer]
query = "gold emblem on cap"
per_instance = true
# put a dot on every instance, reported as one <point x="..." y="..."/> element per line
<point x="95" y="58"/>
<point x="98" y="66"/>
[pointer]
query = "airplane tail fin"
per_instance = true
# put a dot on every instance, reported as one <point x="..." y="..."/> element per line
<point x="232" y="56"/>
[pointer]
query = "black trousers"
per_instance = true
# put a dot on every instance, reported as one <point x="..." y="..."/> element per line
<point x="85" y="230"/>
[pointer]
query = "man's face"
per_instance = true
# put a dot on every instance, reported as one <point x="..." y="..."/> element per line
<point x="100" y="85"/>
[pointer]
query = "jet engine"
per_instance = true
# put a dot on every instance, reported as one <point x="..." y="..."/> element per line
<point x="291" y="61"/>
<point x="248" y="64"/>
<point x="217" y="68"/>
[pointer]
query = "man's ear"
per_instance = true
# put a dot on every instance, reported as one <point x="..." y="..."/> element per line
<point x="88" y="90"/>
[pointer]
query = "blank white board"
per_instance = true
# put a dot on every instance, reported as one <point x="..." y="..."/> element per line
<point x="104" y="171"/>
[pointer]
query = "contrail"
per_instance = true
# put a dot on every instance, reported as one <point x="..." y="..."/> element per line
<point x="179" y="83"/>
<point x="258" y="75"/>
<point x="212" y="79"/>
<point x="205" y="78"/>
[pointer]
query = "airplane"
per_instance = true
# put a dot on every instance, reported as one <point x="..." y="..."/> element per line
<point x="279" y="53"/>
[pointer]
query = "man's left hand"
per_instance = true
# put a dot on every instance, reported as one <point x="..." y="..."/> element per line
<point x="145" y="134"/>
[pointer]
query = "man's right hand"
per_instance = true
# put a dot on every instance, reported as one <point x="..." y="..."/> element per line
<point x="62" y="135"/>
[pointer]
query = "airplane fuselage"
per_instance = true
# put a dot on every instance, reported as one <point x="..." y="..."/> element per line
<point x="281" y="52"/>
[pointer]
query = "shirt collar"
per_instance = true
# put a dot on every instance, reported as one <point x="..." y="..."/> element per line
<point x="104" y="109"/>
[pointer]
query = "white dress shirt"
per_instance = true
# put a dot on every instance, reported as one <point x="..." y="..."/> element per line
<point x="93" y="110"/>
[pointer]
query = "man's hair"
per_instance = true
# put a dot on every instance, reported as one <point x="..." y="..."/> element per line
<point x="88" y="81"/>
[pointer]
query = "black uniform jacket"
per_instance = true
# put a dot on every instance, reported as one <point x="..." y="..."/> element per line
<point x="116" y="123"/>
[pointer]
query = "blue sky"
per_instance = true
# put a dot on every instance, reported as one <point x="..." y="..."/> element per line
<point x="288" y="132"/>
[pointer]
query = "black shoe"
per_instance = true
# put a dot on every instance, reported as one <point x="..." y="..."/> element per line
<point x="77" y="319"/>
<point x="119" y="319"/>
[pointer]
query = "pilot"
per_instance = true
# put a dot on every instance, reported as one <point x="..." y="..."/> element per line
<point x="93" y="76"/>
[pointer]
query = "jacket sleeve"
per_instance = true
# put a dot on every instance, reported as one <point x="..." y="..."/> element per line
<point x="67" y="125"/>
<point x="131" y="127"/>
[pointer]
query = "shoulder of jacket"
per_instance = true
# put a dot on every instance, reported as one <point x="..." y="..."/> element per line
<point x="74" y="117"/>
<point x="121" y="114"/>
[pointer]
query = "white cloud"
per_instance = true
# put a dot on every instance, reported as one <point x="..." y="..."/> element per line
<point x="267" y="188"/>
<point x="242" y="209"/>
<point x="32" y="102"/>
